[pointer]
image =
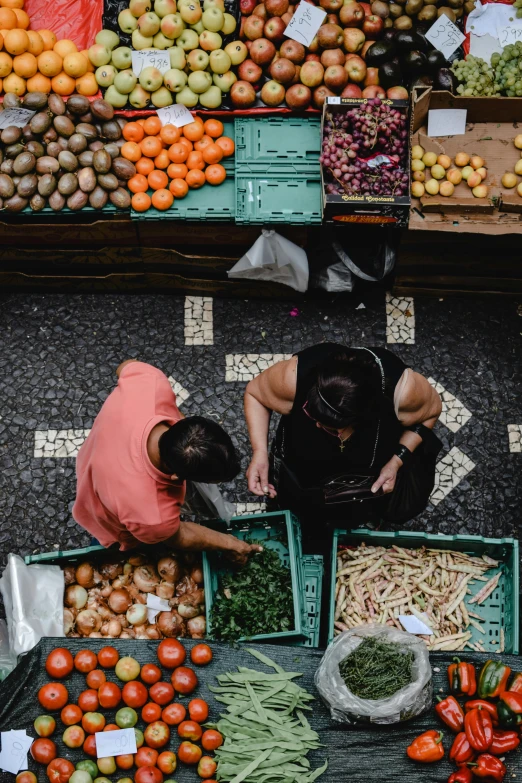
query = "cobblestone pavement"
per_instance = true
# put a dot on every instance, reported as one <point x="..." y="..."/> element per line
<point x="58" y="355"/>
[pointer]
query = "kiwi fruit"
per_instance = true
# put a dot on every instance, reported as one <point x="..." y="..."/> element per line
<point x="68" y="184"/>
<point x="87" y="117"/>
<point x="56" y="201"/>
<point x="403" y="23"/>
<point x="36" y="148"/>
<point x="78" y="200"/>
<point x="14" y="150"/>
<point x="53" y="149"/>
<point x="47" y="184"/>
<point x="77" y="143"/>
<point x="449" y="12"/>
<point x="35" y="101"/>
<point x="7" y="187"/>
<point x="98" y="198"/>
<point x="102" y="110"/>
<point x="37" y="202"/>
<point x="102" y="161"/>
<point x="120" y="198"/>
<point x="27" y="134"/>
<point x="395" y="10"/>
<point x="87" y="130"/>
<point x="24" y="163"/>
<point x="96" y="145"/>
<point x="111" y="130"/>
<point x="108" y="181"/>
<point x="12" y="101"/>
<point x="16" y="180"/>
<point x="85" y="158"/>
<point x="27" y="186"/>
<point x="78" y="104"/>
<point x="123" y="169"/>
<point x="6" y="167"/>
<point x="40" y="123"/>
<point x="67" y="160"/>
<point x="16" y="203"/>
<point x="64" y="126"/>
<point x="56" y="104"/>
<point x="413" y="7"/>
<point x="87" y="179"/>
<point x="49" y="136"/>
<point x="11" y="135"/>
<point x="113" y="149"/>
<point x="63" y="143"/>
<point x="427" y="14"/>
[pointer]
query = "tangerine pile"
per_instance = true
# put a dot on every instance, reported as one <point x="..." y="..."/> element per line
<point x="36" y="61"/>
<point x="170" y="161"/>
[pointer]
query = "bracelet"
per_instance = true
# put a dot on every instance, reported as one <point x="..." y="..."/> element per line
<point x="419" y="429"/>
<point x="403" y="453"/>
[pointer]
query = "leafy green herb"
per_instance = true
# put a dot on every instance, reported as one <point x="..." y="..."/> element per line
<point x="256" y="600"/>
<point x="377" y="669"/>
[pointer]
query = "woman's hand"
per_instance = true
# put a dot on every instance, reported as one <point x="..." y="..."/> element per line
<point x="388" y="476"/>
<point x="257" y="475"/>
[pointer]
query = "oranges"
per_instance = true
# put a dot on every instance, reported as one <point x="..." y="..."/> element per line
<point x="16" y="42"/>
<point x="63" y="84"/>
<point x="75" y="64"/>
<point x="8" y="20"/>
<point x="6" y="64"/>
<point x="49" y="63"/>
<point x="36" y="45"/>
<point x="65" y="47"/>
<point x="25" y="65"/>
<point x="49" y="39"/>
<point x="87" y="84"/>
<point x="39" y="83"/>
<point x="14" y="83"/>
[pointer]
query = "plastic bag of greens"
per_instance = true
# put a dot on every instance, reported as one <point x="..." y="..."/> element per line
<point x="381" y="642"/>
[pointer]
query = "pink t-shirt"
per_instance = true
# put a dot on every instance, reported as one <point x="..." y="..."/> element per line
<point x="120" y="496"/>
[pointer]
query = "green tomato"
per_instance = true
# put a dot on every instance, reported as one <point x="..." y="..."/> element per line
<point x="127" y="669"/>
<point x="140" y="738"/>
<point x="80" y="776"/>
<point x="44" y="725"/>
<point x="101" y="780"/>
<point x="124" y="780"/>
<point x="107" y="765"/>
<point x="126" y="718"/>
<point x="89" y="766"/>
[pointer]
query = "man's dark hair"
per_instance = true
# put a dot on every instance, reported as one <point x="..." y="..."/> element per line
<point x="347" y="390"/>
<point x="197" y="449"/>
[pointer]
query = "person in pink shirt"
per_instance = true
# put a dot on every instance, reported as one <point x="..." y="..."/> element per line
<point x="131" y="470"/>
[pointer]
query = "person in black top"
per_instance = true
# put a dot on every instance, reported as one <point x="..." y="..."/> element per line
<point x="355" y="436"/>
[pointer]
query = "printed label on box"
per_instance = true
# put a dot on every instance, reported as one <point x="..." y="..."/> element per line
<point x="115" y="743"/>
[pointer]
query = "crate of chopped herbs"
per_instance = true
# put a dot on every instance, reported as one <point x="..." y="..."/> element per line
<point x="264" y="600"/>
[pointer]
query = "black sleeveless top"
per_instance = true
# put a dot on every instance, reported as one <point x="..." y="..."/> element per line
<point x="314" y="454"/>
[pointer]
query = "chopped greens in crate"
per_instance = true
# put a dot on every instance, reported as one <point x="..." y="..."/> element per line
<point x="255" y="600"/>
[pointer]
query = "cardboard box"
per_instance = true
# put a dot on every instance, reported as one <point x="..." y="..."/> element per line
<point x="364" y="208"/>
<point x="492" y="124"/>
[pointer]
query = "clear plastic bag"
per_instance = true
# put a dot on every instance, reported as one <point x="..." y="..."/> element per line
<point x="345" y="707"/>
<point x="215" y="501"/>
<point x="276" y="259"/>
<point x="7" y="659"/>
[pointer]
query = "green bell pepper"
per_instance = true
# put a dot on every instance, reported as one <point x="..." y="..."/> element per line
<point x="493" y="679"/>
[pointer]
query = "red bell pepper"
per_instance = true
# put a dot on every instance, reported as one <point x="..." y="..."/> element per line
<point x="515" y="686"/>
<point x="461" y="677"/>
<point x="462" y="775"/>
<point x="493" y="679"/>
<point x="509" y="709"/>
<point x="489" y="768"/>
<point x="504" y="742"/>
<point x="482" y="704"/>
<point x="450" y="711"/>
<point x="479" y="729"/>
<point x="427" y="747"/>
<point x="461" y="751"/>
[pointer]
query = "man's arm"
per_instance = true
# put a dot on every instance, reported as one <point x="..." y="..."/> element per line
<point x="122" y="365"/>
<point x="196" y="538"/>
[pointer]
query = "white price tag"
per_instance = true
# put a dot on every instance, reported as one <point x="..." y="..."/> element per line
<point x="447" y="122"/>
<point x="509" y="33"/>
<point x="115" y="743"/>
<point x="156" y="605"/>
<point x="305" y="23"/>
<point x="413" y="625"/>
<point x="15" y="744"/>
<point x="17" y="118"/>
<point x="177" y="115"/>
<point x="445" y="36"/>
<point x="155" y="58"/>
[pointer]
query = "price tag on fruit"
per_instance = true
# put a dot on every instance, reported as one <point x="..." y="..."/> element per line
<point x="150" y="58"/>
<point x="511" y="32"/>
<point x="17" y="118"/>
<point x="119" y="743"/>
<point x="177" y="115"/>
<point x="305" y="23"/>
<point x="445" y="36"/>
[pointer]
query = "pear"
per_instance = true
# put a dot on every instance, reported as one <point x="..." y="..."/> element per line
<point x="160" y="42"/>
<point x="125" y="81"/>
<point x="198" y="27"/>
<point x="224" y="80"/>
<point x="139" y="98"/>
<point x="187" y="98"/>
<point x="127" y="22"/>
<point x="188" y="40"/>
<point x="99" y="55"/>
<point x="107" y="38"/>
<point x="199" y="81"/>
<point x="115" y="98"/>
<point x="178" y="58"/>
<point x="219" y="61"/>
<point x="122" y="58"/>
<point x="162" y="97"/>
<point x="140" y="41"/>
<point x="175" y="79"/>
<point x="164" y="7"/>
<point x="105" y="74"/>
<point x="229" y="24"/>
<point x="139" y="7"/>
<point x="211" y="99"/>
<point x="151" y="79"/>
<point x="213" y="19"/>
<point x="214" y="4"/>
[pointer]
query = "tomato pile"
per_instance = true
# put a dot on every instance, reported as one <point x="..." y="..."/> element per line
<point x="139" y="692"/>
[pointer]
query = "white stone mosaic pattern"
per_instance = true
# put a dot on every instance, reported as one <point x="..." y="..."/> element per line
<point x="515" y="438"/>
<point x="250" y="508"/>
<point x="245" y="366"/>
<point x="450" y="471"/>
<point x="58" y="443"/>
<point x="199" y="322"/>
<point x="400" y="319"/>
<point x="454" y="414"/>
<point x="181" y="393"/>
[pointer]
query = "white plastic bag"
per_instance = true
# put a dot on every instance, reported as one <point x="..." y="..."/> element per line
<point x="7" y="659"/>
<point x="33" y="600"/>
<point x="212" y="496"/>
<point x="276" y="259"/>
<point x="345" y="707"/>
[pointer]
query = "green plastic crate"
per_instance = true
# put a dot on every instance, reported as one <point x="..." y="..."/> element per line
<point x="499" y="610"/>
<point x="287" y="141"/>
<point x="64" y="557"/>
<point x="267" y="529"/>
<point x="313" y="570"/>
<point x="281" y="199"/>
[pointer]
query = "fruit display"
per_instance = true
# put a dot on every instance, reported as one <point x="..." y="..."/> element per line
<point x="111" y="600"/>
<point x="439" y="174"/>
<point x="510" y="179"/>
<point x="502" y="76"/>
<point x="67" y="156"/>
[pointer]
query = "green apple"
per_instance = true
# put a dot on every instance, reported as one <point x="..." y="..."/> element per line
<point x="99" y="55"/>
<point x="139" y="7"/>
<point x="127" y="21"/>
<point x="175" y="79"/>
<point x="187" y="98"/>
<point x="172" y="26"/>
<point x="237" y="52"/>
<point x="107" y="38"/>
<point x="199" y="81"/>
<point x="125" y="82"/>
<point x="149" y="24"/>
<point x="224" y="80"/>
<point x="229" y="24"/>
<point x="198" y="27"/>
<point x="188" y="40"/>
<point x="105" y="74"/>
<point x="197" y="60"/>
<point x="209" y="40"/>
<point x="139" y="98"/>
<point x="214" y="4"/>
<point x="213" y="19"/>
<point x="211" y="99"/>
<point x="177" y="57"/>
<point x="190" y="12"/>
<point x="219" y="61"/>
<point x="160" y="42"/>
<point x="164" y="7"/>
<point x="140" y="41"/>
<point x="115" y="98"/>
<point x="151" y="79"/>
<point x="122" y="57"/>
<point x="161" y="98"/>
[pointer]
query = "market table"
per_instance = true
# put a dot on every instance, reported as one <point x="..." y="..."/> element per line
<point x="355" y="754"/>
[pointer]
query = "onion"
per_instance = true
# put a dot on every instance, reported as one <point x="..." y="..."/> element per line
<point x="88" y="621"/>
<point x="121" y="581"/>
<point x="170" y="624"/>
<point x="84" y="575"/>
<point x="187" y="611"/>
<point x="74" y="635"/>
<point x="105" y="629"/>
<point x="197" y="626"/>
<point x="69" y="575"/>
<point x="153" y="632"/>
<point x="114" y="628"/>
<point x="104" y="611"/>
<point x="141" y="631"/>
<point x="120" y="600"/>
<point x="165" y="590"/>
<point x="95" y="635"/>
<point x="137" y="614"/>
<point x="127" y="569"/>
<point x="76" y="596"/>
<point x="169" y="570"/>
<point x="146" y="578"/>
<point x="186" y="585"/>
<point x="97" y="577"/>
<point x="195" y="597"/>
<point x="123" y="621"/>
<point x="111" y="570"/>
<point x="137" y="560"/>
<point x="197" y="575"/>
<point x="68" y="621"/>
<point x="106" y="590"/>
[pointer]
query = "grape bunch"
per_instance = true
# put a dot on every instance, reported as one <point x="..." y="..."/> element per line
<point x="476" y="77"/>
<point x="508" y="69"/>
<point x="364" y="151"/>
<point x="518" y="5"/>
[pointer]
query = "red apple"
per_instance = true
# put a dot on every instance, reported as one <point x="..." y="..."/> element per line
<point x="365" y="48"/>
<point x="352" y="14"/>
<point x="274" y="29"/>
<point x="330" y="36"/>
<point x="312" y="58"/>
<point x="272" y="93"/>
<point x="242" y="95"/>
<point x="314" y="45"/>
<point x="355" y="68"/>
<point x="320" y="95"/>
<point x="260" y="10"/>
<point x="331" y="5"/>
<point x="293" y="50"/>
<point x="296" y="78"/>
<point x="287" y="18"/>
<point x="242" y="28"/>
<point x="374" y="91"/>
<point x="366" y="8"/>
<point x="397" y="93"/>
<point x="253" y="28"/>
<point x="248" y="71"/>
<point x="248" y="44"/>
<point x="373" y="25"/>
<point x="282" y="71"/>
<point x="336" y="78"/>
<point x="351" y="91"/>
<point x="312" y="74"/>
<point x="262" y="51"/>
<point x="277" y="7"/>
<point x="331" y="19"/>
<point x="353" y="39"/>
<point x="332" y="57"/>
<point x="372" y="77"/>
<point x="298" y="97"/>
<point x="247" y="6"/>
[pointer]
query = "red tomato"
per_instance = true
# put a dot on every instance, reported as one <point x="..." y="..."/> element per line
<point x="88" y="701"/>
<point x="53" y="696"/>
<point x="89" y="746"/>
<point x="109" y="695"/>
<point x="148" y="775"/>
<point x="93" y="722"/>
<point x="162" y="693"/>
<point x="151" y="712"/>
<point x="26" y="777"/>
<point x="190" y="730"/>
<point x="134" y="694"/>
<point x="201" y="654"/>
<point x="150" y="673"/>
<point x="43" y="751"/>
<point x="211" y="739"/>
<point x="167" y="762"/>
<point x="184" y="680"/>
<point x="125" y="762"/>
<point x="189" y="753"/>
<point x="206" y="767"/>
<point x="59" y="663"/>
<point x="157" y="734"/>
<point x="112" y="727"/>
<point x="108" y="657"/>
<point x="60" y="770"/>
<point x="171" y="653"/>
<point x="146" y="757"/>
<point x="174" y="714"/>
<point x="73" y="737"/>
<point x="198" y="710"/>
<point x="95" y="679"/>
<point x="71" y="714"/>
<point x="85" y="661"/>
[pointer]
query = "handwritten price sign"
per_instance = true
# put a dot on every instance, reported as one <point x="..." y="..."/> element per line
<point x="17" y="118"/>
<point x="150" y="58"/>
<point x="120" y="743"/>
<point x="445" y="36"/>
<point x="305" y="23"/>
<point x="177" y="115"/>
<point x="510" y="34"/>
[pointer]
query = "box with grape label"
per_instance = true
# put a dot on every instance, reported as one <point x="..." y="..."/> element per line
<point x="365" y="160"/>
